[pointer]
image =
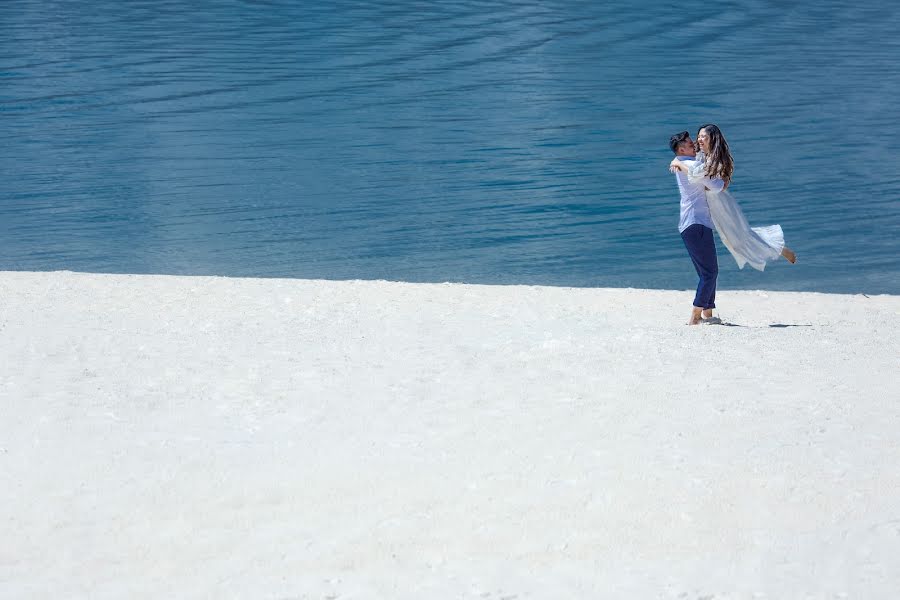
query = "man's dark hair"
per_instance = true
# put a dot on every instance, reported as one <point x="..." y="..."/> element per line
<point x="677" y="139"/>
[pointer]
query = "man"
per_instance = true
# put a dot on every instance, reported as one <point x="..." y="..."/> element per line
<point x="696" y="228"/>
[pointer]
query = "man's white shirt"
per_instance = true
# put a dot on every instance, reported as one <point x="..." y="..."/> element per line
<point x="694" y="208"/>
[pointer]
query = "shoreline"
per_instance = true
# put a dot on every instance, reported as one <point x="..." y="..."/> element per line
<point x="204" y="436"/>
<point x="433" y="283"/>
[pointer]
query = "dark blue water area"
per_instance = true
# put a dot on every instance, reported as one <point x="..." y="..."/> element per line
<point x="480" y="142"/>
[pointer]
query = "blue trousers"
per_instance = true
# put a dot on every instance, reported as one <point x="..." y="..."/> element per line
<point x="698" y="239"/>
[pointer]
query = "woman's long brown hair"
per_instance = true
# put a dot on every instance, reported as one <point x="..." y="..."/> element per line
<point x="719" y="162"/>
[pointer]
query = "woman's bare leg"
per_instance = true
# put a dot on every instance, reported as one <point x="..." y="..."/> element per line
<point x="789" y="255"/>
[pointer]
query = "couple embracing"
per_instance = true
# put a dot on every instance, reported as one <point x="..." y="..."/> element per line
<point x="703" y="171"/>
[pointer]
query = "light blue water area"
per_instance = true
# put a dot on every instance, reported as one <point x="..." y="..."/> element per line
<point x="472" y="141"/>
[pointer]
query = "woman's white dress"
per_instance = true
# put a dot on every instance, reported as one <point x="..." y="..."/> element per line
<point x="755" y="246"/>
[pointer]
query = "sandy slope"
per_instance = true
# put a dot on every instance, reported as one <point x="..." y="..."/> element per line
<point x="166" y="437"/>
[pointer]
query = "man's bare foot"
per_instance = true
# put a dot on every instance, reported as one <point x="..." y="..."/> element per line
<point x="789" y="255"/>
<point x="695" y="316"/>
<point x="707" y="313"/>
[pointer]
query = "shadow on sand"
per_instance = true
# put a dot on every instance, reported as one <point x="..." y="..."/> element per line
<point x="776" y="325"/>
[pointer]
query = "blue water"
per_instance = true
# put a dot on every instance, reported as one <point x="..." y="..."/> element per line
<point x="488" y="142"/>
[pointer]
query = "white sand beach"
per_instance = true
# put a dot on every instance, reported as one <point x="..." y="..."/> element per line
<point x="189" y="437"/>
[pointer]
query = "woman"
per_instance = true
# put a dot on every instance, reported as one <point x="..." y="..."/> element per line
<point x="714" y="167"/>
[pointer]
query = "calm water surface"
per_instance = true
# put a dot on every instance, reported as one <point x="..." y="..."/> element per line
<point x="489" y="142"/>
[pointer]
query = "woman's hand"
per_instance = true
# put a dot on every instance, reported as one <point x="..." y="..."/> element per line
<point x="676" y="165"/>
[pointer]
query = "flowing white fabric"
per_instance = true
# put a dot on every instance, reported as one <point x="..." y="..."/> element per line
<point x="755" y="246"/>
